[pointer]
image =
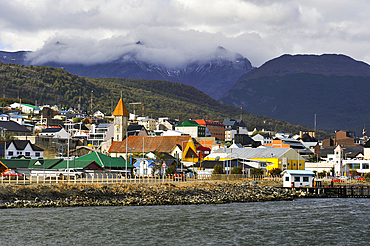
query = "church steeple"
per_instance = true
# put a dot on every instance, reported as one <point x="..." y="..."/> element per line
<point x="120" y="114"/>
<point x="120" y="109"/>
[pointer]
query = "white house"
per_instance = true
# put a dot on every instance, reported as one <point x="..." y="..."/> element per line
<point x="144" y="167"/>
<point x="4" y="117"/>
<point x="263" y="138"/>
<point x="23" y="148"/>
<point x="17" y="118"/>
<point x="297" y="178"/>
<point x="99" y="114"/>
<point x="26" y="108"/>
<point x="100" y="133"/>
<point x="57" y="132"/>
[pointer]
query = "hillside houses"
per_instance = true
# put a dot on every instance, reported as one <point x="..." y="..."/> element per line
<point x="61" y="133"/>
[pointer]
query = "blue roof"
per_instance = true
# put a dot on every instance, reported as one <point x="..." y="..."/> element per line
<point x="137" y="163"/>
<point x="299" y="172"/>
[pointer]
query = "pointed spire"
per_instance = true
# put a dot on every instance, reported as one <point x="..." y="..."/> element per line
<point x="338" y="148"/>
<point x="120" y="109"/>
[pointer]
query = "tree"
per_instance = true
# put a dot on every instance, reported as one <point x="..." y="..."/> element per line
<point x="275" y="172"/>
<point x="159" y="159"/>
<point x="257" y="172"/>
<point x="218" y="169"/>
<point x="76" y="120"/>
<point x="171" y="169"/>
<point x="236" y="170"/>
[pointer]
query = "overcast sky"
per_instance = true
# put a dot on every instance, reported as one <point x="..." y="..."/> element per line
<point x="178" y="31"/>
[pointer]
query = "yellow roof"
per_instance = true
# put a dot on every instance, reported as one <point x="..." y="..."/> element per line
<point x="120" y="109"/>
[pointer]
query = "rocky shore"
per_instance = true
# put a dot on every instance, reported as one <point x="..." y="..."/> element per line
<point x="210" y="192"/>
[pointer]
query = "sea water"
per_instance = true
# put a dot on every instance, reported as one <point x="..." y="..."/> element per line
<point x="332" y="221"/>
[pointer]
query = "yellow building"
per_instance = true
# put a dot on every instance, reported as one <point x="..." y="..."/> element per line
<point x="280" y="158"/>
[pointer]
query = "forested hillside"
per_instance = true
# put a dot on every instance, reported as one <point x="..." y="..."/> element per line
<point x="296" y="88"/>
<point x="50" y="85"/>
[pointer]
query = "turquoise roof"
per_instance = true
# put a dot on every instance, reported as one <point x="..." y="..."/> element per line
<point x="299" y="172"/>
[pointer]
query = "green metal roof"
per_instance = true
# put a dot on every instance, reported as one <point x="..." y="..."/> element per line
<point x="29" y="105"/>
<point x="30" y="163"/>
<point x="189" y="123"/>
<point x="16" y="163"/>
<point x="75" y="164"/>
<point x="106" y="161"/>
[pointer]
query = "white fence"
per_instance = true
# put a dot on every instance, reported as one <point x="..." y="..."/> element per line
<point x="111" y="178"/>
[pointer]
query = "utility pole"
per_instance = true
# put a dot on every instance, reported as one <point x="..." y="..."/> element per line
<point x="91" y="108"/>
<point x="79" y="103"/>
<point x="134" y="108"/>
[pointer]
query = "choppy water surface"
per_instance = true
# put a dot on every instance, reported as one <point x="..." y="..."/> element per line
<point x="301" y="222"/>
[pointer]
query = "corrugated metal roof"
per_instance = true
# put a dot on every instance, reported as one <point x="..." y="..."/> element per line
<point x="30" y="163"/>
<point x="13" y="126"/>
<point x="104" y="160"/>
<point x="249" y="153"/>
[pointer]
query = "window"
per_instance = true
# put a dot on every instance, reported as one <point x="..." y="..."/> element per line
<point x="365" y="165"/>
<point x="37" y="154"/>
<point x="286" y="178"/>
<point x="297" y="179"/>
<point x="27" y="154"/>
<point x="10" y="153"/>
<point x="305" y="179"/>
<point x="294" y="164"/>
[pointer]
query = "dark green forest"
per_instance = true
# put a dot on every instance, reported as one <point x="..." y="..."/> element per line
<point x="48" y="85"/>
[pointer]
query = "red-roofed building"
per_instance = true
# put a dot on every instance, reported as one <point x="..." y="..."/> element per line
<point x="215" y="128"/>
<point x="167" y="144"/>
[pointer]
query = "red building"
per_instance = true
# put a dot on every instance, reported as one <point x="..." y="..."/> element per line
<point x="216" y="128"/>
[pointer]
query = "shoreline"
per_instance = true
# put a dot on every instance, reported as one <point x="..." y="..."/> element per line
<point x="82" y="195"/>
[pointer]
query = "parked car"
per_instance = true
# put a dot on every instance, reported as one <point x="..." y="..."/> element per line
<point x="179" y="176"/>
<point x="12" y="174"/>
<point x="359" y="178"/>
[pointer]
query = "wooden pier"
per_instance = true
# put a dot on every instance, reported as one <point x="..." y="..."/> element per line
<point x="339" y="191"/>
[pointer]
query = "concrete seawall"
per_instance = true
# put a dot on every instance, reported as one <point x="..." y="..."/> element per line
<point x="208" y="192"/>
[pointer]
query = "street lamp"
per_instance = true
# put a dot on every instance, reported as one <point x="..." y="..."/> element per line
<point x="298" y="158"/>
<point x="126" y="149"/>
<point x="3" y="135"/>
<point x="237" y="160"/>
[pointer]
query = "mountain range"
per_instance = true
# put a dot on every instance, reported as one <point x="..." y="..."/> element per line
<point x="296" y="88"/>
<point x="211" y="76"/>
<point x="47" y="85"/>
<point x="328" y="91"/>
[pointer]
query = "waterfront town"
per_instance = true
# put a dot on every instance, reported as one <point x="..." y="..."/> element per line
<point x="47" y="139"/>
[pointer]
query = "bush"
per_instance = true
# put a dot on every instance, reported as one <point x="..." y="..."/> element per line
<point x="256" y="172"/>
<point x="275" y="172"/>
<point x="171" y="169"/>
<point x="367" y="176"/>
<point x="218" y="169"/>
<point x="237" y="170"/>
